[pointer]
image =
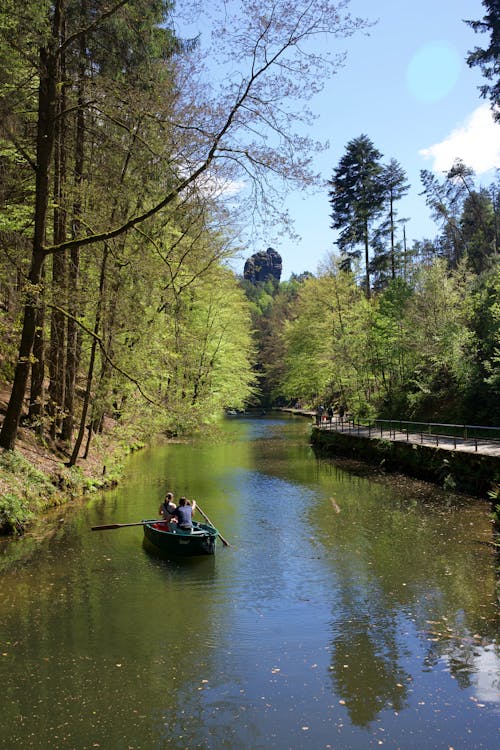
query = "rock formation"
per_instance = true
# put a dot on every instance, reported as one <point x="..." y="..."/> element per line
<point x="263" y="266"/>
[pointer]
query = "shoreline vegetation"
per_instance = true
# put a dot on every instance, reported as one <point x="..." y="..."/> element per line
<point x="34" y="478"/>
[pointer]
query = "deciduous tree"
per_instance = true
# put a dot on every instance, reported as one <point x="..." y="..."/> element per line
<point x="202" y="136"/>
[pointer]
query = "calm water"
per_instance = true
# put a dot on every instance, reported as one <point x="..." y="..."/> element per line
<point x="366" y="622"/>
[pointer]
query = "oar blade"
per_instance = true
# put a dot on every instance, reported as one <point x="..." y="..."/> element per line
<point x="106" y="527"/>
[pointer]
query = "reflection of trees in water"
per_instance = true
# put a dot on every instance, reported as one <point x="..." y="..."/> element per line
<point x="365" y="669"/>
<point x="404" y="562"/>
<point x="461" y="651"/>
<point x="98" y="641"/>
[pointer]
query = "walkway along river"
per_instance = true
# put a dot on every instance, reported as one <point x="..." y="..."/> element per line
<point x="425" y="450"/>
<point x="347" y="614"/>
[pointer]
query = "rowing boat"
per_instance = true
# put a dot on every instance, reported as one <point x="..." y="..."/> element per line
<point x="169" y="539"/>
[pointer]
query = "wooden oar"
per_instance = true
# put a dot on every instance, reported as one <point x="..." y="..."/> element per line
<point x="207" y="519"/>
<point x="121" y="525"/>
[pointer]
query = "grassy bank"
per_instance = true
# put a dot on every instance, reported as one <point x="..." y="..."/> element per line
<point x="34" y="478"/>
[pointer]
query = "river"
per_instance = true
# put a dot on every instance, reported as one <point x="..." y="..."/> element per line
<point x="349" y="612"/>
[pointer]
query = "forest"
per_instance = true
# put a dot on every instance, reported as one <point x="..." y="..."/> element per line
<point x="118" y="305"/>
<point x="411" y="334"/>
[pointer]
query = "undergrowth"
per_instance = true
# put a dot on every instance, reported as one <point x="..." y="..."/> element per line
<point x="26" y="491"/>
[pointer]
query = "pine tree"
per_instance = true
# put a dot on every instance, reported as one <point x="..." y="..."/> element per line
<point x="488" y="60"/>
<point x="386" y="260"/>
<point x="357" y="199"/>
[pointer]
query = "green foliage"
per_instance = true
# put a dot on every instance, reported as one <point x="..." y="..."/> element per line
<point x="469" y="218"/>
<point x="421" y="351"/>
<point x="357" y="198"/>
<point x="15" y="464"/>
<point x="271" y="306"/>
<point x="324" y="342"/>
<point x="162" y="332"/>
<point x="28" y="488"/>
<point x="166" y="339"/>
<point x="487" y="58"/>
<point x="13" y="513"/>
<point x="388" y="259"/>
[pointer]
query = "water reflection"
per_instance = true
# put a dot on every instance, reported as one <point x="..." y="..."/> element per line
<point x="349" y="612"/>
<point x="403" y="565"/>
<point x="366" y="669"/>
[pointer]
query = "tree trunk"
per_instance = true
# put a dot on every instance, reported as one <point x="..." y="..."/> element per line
<point x="72" y="356"/>
<point x="35" y="411"/>
<point x="57" y="359"/>
<point x="90" y="373"/>
<point x="367" y="261"/>
<point x="72" y="353"/>
<point x="393" y="249"/>
<point x="45" y="142"/>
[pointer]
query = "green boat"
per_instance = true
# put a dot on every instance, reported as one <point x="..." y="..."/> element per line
<point x="168" y="539"/>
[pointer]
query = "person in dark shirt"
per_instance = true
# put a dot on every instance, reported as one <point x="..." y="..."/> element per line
<point x="166" y="509"/>
<point x="184" y="514"/>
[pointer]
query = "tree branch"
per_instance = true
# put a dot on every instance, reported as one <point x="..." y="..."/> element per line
<point x="102" y="347"/>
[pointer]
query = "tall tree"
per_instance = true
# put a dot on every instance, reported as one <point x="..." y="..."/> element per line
<point x="357" y="199"/>
<point x="203" y="137"/>
<point x="395" y="187"/>
<point x="468" y="217"/>
<point x="488" y="59"/>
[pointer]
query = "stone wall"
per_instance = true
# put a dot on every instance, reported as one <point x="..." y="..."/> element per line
<point x="467" y="472"/>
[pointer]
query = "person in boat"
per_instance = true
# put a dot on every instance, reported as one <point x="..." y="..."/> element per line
<point x="167" y="507"/>
<point x="184" y="514"/>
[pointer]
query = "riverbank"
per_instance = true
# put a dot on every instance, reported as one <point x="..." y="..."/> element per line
<point x="470" y="466"/>
<point x="34" y="477"/>
<point x="474" y="473"/>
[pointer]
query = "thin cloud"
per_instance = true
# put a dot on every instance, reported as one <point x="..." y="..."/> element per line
<point x="476" y="143"/>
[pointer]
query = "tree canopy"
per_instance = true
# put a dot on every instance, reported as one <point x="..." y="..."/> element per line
<point x="488" y="59"/>
<point x="117" y="154"/>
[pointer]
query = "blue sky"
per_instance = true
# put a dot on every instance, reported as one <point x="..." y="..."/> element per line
<point x="408" y="88"/>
